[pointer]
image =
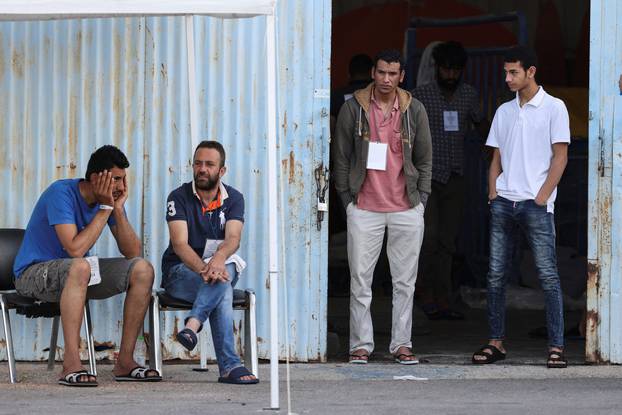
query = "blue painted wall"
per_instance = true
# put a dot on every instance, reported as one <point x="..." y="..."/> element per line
<point x="71" y="86"/>
<point x="604" y="337"/>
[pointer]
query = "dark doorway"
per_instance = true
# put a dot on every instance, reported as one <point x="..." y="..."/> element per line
<point x="565" y="77"/>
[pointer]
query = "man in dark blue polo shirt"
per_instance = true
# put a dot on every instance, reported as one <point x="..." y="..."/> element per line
<point x="205" y="219"/>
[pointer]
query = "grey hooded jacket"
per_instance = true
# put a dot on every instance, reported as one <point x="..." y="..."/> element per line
<point x="351" y="146"/>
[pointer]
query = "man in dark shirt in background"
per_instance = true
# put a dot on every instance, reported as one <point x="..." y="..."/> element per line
<point x="359" y="70"/>
<point x="452" y="108"/>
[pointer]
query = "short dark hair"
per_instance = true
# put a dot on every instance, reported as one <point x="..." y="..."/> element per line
<point x="523" y="55"/>
<point x="360" y="64"/>
<point x="215" y="145"/>
<point x="105" y="158"/>
<point x="450" y="54"/>
<point x="390" y="56"/>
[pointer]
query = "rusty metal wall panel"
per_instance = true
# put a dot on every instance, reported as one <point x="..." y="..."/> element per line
<point x="604" y="324"/>
<point x="231" y="84"/>
<point x="70" y="86"/>
<point x="304" y="111"/>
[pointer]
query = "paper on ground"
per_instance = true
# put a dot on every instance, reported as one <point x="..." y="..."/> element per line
<point x="408" y="377"/>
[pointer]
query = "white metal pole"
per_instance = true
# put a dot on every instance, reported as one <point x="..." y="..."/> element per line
<point x="272" y="218"/>
<point x="192" y="91"/>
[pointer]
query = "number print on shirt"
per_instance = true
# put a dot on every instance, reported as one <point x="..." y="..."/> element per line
<point x="171" y="208"/>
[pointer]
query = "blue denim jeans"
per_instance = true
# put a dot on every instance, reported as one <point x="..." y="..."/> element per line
<point x="539" y="228"/>
<point x="210" y="301"/>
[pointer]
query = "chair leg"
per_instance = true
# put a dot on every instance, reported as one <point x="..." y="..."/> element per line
<point x="9" y="339"/>
<point x="90" y="343"/>
<point x="203" y="350"/>
<point x="251" y="360"/>
<point x="53" y="342"/>
<point x="155" y="351"/>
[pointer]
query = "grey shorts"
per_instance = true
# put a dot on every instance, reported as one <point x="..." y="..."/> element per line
<point x="45" y="280"/>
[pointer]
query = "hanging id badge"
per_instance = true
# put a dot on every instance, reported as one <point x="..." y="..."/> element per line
<point x="450" y="119"/>
<point x="377" y="156"/>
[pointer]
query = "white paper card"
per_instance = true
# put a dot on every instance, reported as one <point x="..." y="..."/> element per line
<point x="96" y="277"/>
<point x="211" y="245"/>
<point x="347" y="96"/>
<point x="451" y="120"/>
<point x="377" y="156"/>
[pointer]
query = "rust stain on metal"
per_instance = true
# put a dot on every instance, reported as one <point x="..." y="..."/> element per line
<point x="593" y="275"/>
<point x="593" y="319"/>
<point x="292" y="167"/>
<point x="284" y="125"/>
<point x="592" y="352"/>
<point x="175" y="331"/>
<point x="284" y="164"/>
<point x="47" y="46"/>
<point x="164" y="73"/>
<point x="17" y="62"/>
<point x="77" y="54"/>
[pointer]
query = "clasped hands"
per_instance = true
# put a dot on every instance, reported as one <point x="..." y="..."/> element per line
<point x="215" y="271"/>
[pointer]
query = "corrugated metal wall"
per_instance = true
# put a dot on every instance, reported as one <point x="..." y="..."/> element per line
<point x="67" y="87"/>
<point x="70" y="86"/>
<point x="604" y="323"/>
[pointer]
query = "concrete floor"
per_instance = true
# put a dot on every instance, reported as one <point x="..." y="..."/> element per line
<point x="451" y="342"/>
<point x="444" y="383"/>
<point x="330" y="388"/>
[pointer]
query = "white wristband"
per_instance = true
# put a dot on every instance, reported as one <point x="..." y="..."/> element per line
<point x="105" y="207"/>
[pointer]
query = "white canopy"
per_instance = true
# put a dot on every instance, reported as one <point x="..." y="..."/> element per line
<point x="64" y="9"/>
<point x="74" y="9"/>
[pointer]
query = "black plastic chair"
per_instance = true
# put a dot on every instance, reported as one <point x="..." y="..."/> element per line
<point x="242" y="300"/>
<point x="10" y="241"/>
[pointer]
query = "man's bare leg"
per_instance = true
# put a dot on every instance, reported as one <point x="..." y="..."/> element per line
<point x="134" y="309"/>
<point x="72" y="301"/>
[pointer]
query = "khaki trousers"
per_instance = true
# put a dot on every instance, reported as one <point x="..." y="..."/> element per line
<point x="365" y="236"/>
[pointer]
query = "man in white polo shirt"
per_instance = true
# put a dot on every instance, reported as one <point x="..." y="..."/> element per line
<point x="530" y="137"/>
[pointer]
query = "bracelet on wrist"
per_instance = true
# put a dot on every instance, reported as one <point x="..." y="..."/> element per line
<point x="105" y="207"/>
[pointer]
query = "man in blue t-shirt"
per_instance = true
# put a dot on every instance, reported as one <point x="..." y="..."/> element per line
<point x="205" y="219"/>
<point x="53" y="262"/>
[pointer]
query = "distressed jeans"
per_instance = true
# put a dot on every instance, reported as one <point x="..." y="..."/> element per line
<point x="539" y="228"/>
<point x="210" y="301"/>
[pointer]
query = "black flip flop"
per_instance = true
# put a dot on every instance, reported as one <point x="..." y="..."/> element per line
<point x="73" y="379"/>
<point x="491" y="356"/>
<point x="139" y="374"/>
<point x="187" y="338"/>
<point x="556" y="360"/>
<point x="235" y="377"/>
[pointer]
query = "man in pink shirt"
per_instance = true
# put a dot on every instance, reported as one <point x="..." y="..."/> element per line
<point x="382" y="171"/>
